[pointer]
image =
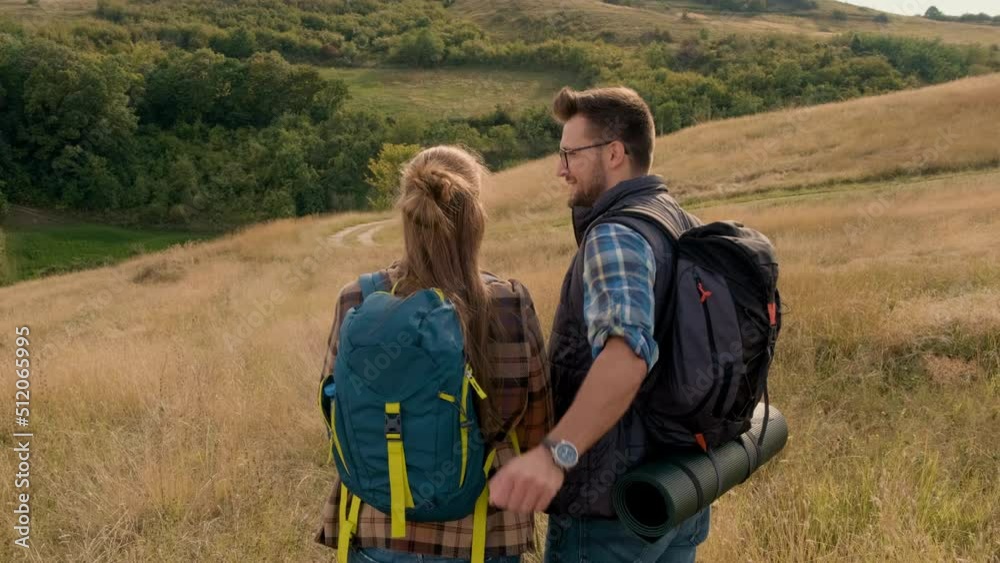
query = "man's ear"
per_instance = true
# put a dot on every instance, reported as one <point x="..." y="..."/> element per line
<point x="618" y="156"/>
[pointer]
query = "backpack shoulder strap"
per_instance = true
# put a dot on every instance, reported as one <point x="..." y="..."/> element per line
<point x="479" y="514"/>
<point x="630" y="217"/>
<point x="664" y="235"/>
<point x="371" y="282"/>
<point x="661" y="210"/>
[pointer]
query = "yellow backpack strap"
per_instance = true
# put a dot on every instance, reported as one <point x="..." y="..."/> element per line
<point x="479" y="515"/>
<point x="348" y="523"/>
<point x="399" y="487"/>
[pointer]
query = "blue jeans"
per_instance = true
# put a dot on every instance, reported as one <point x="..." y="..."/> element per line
<point x="592" y="540"/>
<point x="377" y="555"/>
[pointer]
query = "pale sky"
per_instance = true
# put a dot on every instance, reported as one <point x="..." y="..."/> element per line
<point x="914" y="7"/>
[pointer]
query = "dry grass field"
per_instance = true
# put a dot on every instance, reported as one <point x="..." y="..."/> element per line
<point x="173" y="396"/>
<point x="685" y="19"/>
<point x="46" y="10"/>
<point x="935" y="129"/>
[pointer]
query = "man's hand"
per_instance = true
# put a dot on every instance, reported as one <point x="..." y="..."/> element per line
<point x="527" y="484"/>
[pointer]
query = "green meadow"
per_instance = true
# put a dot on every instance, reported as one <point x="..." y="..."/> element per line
<point x="447" y="92"/>
<point x="34" y="251"/>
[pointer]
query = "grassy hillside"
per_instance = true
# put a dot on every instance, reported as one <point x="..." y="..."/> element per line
<point x="38" y="243"/>
<point x="629" y="19"/>
<point x="633" y="22"/>
<point x="890" y="375"/>
<point x="933" y="129"/>
<point x="46" y="10"/>
<point x="175" y="402"/>
<point x="50" y="250"/>
<point x="448" y="92"/>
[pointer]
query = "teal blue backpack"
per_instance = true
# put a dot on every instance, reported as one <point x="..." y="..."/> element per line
<point x="403" y="427"/>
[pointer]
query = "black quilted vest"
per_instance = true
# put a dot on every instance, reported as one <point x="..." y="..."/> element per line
<point x="587" y="489"/>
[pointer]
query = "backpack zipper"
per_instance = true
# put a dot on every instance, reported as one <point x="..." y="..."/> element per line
<point x="463" y="427"/>
<point x="703" y="295"/>
<point x="475" y="384"/>
<point x="332" y="424"/>
<point x="467" y="380"/>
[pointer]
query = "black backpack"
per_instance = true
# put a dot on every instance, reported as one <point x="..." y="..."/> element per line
<point x="716" y="334"/>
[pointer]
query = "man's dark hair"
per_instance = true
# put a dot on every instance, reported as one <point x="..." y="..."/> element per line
<point x="615" y="114"/>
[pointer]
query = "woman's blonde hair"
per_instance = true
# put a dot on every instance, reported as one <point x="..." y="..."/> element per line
<point x="443" y="226"/>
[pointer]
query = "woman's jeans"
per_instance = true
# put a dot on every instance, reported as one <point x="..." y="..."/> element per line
<point x="586" y="540"/>
<point x="377" y="555"/>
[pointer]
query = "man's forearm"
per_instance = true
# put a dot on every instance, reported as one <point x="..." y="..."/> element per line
<point x="606" y="394"/>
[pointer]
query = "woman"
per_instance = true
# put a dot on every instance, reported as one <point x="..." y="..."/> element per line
<point x="443" y="226"/>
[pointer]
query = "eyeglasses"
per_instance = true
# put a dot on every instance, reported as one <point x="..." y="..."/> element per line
<point x="564" y="153"/>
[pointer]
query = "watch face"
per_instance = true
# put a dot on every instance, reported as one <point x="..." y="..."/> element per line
<point x="566" y="454"/>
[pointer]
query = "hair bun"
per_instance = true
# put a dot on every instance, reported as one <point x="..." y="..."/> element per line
<point x="435" y="182"/>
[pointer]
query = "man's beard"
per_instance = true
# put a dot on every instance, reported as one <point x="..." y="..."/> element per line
<point x="588" y="194"/>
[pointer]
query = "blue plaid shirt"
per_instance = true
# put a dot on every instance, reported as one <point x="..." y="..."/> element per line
<point x="618" y="276"/>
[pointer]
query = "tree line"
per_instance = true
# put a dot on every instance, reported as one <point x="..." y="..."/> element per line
<point x="933" y="13"/>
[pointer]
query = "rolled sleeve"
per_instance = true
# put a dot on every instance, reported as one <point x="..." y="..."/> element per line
<point x="618" y="277"/>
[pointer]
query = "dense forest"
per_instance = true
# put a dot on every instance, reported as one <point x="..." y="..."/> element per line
<point x="208" y="112"/>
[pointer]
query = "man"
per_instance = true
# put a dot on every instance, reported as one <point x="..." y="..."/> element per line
<point x="602" y="345"/>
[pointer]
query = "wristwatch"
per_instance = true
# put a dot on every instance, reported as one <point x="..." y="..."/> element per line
<point x="564" y="453"/>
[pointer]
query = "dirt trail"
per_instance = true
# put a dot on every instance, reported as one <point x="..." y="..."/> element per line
<point x="363" y="233"/>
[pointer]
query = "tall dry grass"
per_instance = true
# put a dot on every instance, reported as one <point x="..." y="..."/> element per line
<point x="950" y="126"/>
<point x="944" y="127"/>
<point x="889" y="372"/>
<point x="173" y="396"/>
<point x="173" y="399"/>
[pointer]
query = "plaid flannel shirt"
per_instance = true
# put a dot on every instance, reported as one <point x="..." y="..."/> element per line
<point x="618" y="277"/>
<point x="521" y="394"/>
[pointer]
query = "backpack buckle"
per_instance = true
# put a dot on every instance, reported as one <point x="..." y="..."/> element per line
<point x="393" y="426"/>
